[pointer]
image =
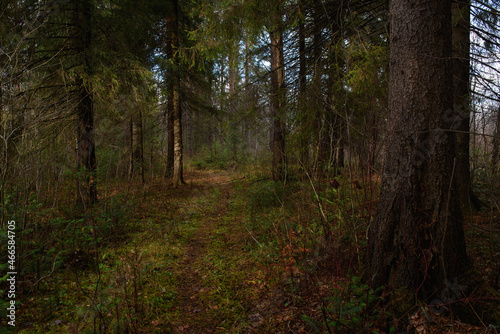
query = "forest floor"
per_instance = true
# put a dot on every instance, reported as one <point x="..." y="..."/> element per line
<point x="220" y="254"/>
<point x="188" y="263"/>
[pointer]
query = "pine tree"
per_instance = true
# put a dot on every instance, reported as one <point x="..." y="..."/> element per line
<point x="417" y="241"/>
<point x="86" y="158"/>
<point x="278" y="92"/>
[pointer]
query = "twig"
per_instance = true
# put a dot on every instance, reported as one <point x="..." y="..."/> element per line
<point x="257" y="241"/>
<point x="317" y="198"/>
<point x="53" y="268"/>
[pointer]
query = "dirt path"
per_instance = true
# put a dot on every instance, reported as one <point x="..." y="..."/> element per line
<point x="226" y="281"/>
<point x="193" y="308"/>
<point x="209" y="281"/>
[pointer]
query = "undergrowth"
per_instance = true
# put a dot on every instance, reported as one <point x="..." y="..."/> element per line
<point x="227" y="254"/>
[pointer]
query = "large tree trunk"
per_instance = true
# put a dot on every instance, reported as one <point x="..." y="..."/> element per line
<point x="461" y="95"/>
<point x="278" y="97"/>
<point x="417" y="240"/>
<point x="86" y="159"/>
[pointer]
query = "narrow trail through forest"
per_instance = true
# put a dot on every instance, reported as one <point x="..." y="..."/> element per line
<point x="219" y="287"/>
<point x="191" y="305"/>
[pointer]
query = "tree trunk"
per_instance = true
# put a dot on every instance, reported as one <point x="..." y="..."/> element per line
<point x="417" y="240"/>
<point x="278" y="97"/>
<point x="330" y="124"/>
<point x="232" y="69"/>
<point x="321" y="118"/>
<point x="3" y="151"/>
<point x="170" y="132"/>
<point x="131" y="167"/>
<point x="86" y="159"/>
<point x="188" y="133"/>
<point x="169" y="49"/>
<point x="495" y="154"/>
<point x="247" y="61"/>
<point x="176" y="118"/>
<point x="304" y="140"/>
<point x="232" y="101"/>
<point x="248" y="96"/>
<point x="336" y="123"/>
<point x="461" y="98"/>
<point x="136" y="146"/>
<point x="177" y="121"/>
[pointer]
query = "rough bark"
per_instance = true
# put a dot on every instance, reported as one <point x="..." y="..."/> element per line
<point x="278" y="97"/>
<point x="417" y="241"/>
<point x="86" y="159"/>
<point x="461" y="95"/>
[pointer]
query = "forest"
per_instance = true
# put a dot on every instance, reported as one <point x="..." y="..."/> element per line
<point x="250" y="166"/>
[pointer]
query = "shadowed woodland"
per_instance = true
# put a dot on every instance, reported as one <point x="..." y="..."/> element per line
<point x="300" y="166"/>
